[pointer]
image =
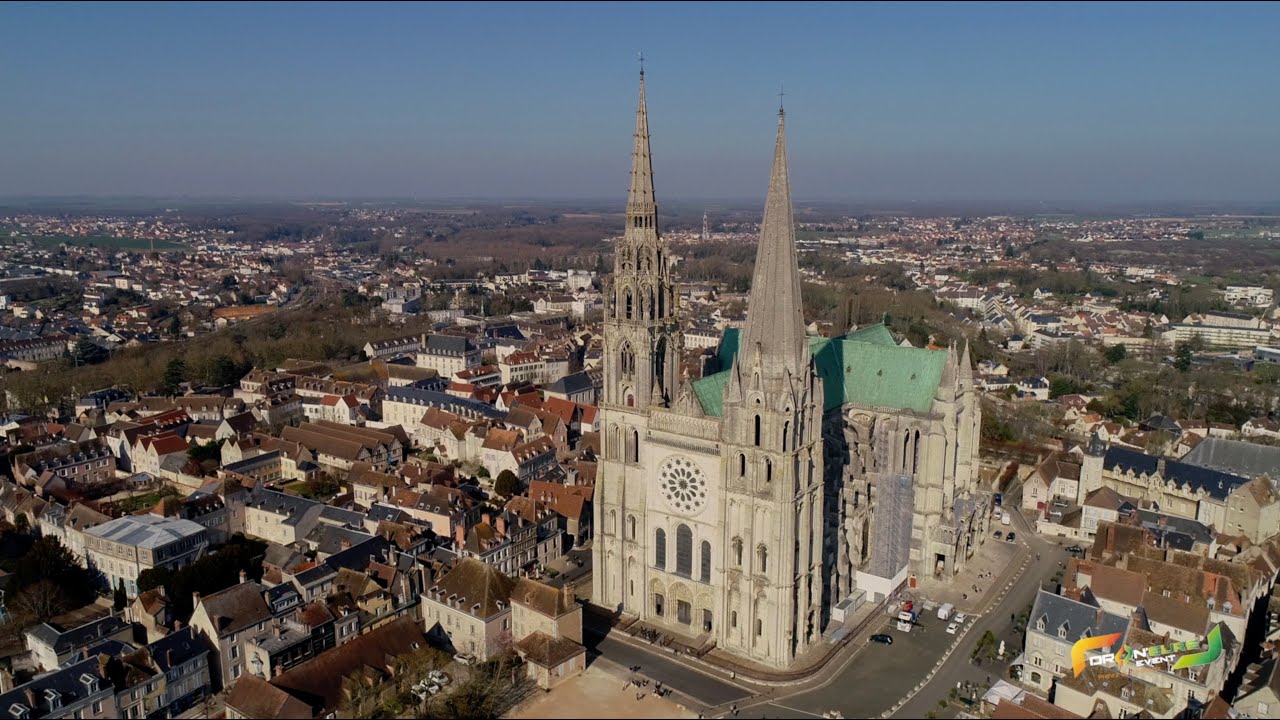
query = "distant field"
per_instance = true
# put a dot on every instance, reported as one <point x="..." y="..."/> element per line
<point x="107" y="241"/>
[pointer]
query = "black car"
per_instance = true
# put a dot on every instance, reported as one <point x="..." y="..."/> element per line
<point x="1011" y="537"/>
<point x="885" y="639"/>
<point x="1076" y="550"/>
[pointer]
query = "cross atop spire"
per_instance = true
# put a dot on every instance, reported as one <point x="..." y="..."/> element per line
<point x="775" y="317"/>
<point x="782" y="91"/>
<point x="640" y="57"/>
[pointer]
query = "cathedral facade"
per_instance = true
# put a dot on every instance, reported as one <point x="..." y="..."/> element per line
<point x="743" y="507"/>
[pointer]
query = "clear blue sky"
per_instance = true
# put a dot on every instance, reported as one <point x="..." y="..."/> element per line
<point x="986" y="101"/>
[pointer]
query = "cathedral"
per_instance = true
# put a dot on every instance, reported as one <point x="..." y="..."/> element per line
<point x="746" y="507"/>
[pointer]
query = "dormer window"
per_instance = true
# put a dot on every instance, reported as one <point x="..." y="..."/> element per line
<point x="18" y="710"/>
<point x="1062" y="630"/>
<point x="1226" y="606"/>
<point x="1040" y="623"/>
<point x="54" y="698"/>
<point x="1212" y="603"/>
<point x="90" y="682"/>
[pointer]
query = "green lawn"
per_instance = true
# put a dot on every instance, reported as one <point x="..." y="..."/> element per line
<point x="107" y="241"/>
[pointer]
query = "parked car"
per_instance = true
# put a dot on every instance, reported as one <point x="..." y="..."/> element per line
<point x="951" y="629"/>
<point x="999" y="534"/>
<point x="438" y="677"/>
<point x="1076" y="550"/>
<point x="883" y="639"/>
<point x="960" y="618"/>
<point x="1011" y="537"/>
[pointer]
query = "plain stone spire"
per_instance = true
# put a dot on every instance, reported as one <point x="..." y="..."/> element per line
<point x="775" y="317"/>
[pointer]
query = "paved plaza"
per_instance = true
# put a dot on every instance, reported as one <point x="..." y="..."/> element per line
<point x="598" y="693"/>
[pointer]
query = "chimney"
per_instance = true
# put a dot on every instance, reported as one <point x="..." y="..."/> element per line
<point x="570" y="597"/>
<point x="277" y="671"/>
<point x="6" y="681"/>
<point x="31" y="697"/>
<point x="243" y="576"/>
<point x="160" y="588"/>
<point x="1111" y="538"/>
<point x="177" y="625"/>
<point x="195" y="599"/>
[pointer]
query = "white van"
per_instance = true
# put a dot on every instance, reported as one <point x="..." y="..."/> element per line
<point x="944" y="612"/>
<point x="1005" y="519"/>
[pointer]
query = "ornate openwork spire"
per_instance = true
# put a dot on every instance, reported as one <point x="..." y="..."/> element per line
<point x="641" y="205"/>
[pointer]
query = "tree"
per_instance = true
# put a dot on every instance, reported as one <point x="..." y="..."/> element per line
<point x="88" y="352"/>
<point x="119" y="597"/>
<point x="1182" y="357"/>
<point x="507" y="484"/>
<point x="174" y="374"/>
<point x="38" y="603"/>
<point x="49" y="561"/>
<point x="1115" y="354"/>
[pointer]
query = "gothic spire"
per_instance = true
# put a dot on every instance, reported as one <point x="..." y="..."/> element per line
<point x="775" y="319"/>
<point x="640" y="199"/>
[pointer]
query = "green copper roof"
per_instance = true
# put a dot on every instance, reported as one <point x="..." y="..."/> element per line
<point x="863" y="368"/>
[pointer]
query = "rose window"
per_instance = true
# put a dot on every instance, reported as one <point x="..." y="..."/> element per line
<point x="683" y="485"/>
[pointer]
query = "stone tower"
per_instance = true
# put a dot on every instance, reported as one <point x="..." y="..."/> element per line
<point x="642" y="332"/>
<point x="1091" y="468"/>
<point x="772" y="435"/>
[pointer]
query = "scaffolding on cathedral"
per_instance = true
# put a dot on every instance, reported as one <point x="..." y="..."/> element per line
<point x="891" y="526"/>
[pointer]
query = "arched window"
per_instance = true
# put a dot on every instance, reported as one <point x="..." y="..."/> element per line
<point x="742" y="465"/>
<point x="768" y="470"/>
<point x="906" y="447"/>
<point x="915" y="453"/>
<point x="627" y="302"/>
<point x="662" y="304"/>
<point x="706" y="561"/>
<point x="786" y="430"/>
<point x="684" y="550"/>
<point x="635" y="446"/>
<point x="757" y="435"/>
<point x="615" y="442"/>
<point x="627" y="359"/>
<point x="631" y="400"/>
<point x="631" y="527"/>
<point x="660" y="549"/>
<point x="733" y="619"/>
<point x="613" y="521"/>
<point x="652" y="306"/>
<point x="762" y="559"/>
<point x="737" y="552"/>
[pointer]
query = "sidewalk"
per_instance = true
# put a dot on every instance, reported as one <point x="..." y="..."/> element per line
<point x="991" y="561"/>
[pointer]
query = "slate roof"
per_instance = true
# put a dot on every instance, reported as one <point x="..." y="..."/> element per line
<point x="448" y="345"/>
<point x="1214" y="482"/>
<point x="146" y="531"/>
<point x="1236" y="457"/>
<point x="70" y="683"/>
<point x="862" y="368"/>
<point x="65" y="641"/>
<point x="571" y="384"/>
<point x="444" y="401"/>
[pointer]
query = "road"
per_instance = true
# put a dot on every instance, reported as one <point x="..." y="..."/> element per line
<point x="659" y="666"/>
<point x="959" y="668"/>
<point x="880" y="676"/>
